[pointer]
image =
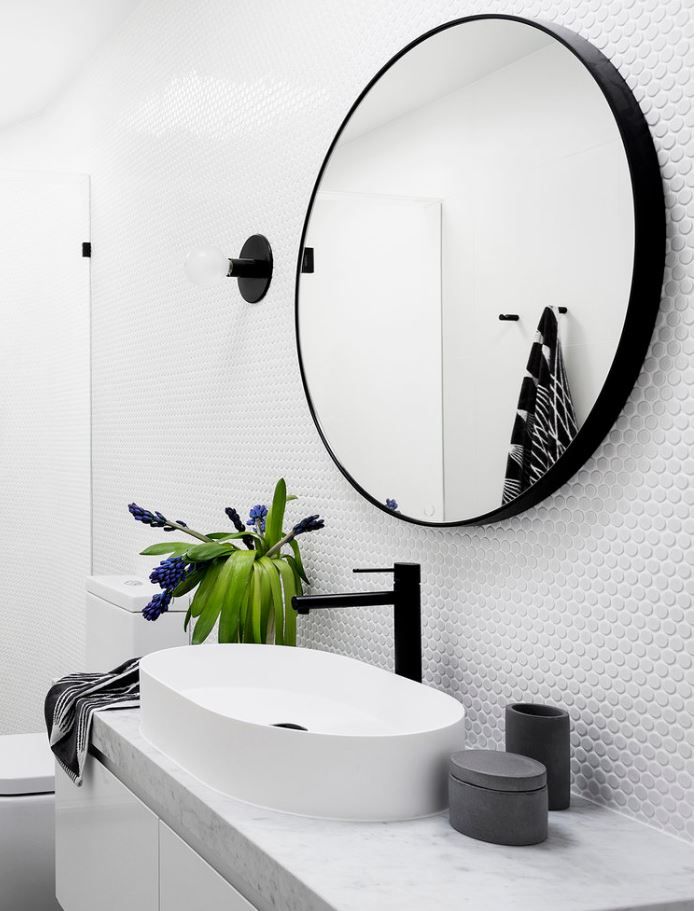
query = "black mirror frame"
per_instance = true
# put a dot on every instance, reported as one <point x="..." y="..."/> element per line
<point x="647" y="274"/>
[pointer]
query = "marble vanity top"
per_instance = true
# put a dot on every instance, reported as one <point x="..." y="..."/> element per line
<point x="594" y="859"/>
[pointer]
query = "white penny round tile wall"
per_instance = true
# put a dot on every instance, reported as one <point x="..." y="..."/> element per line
<point x="205" y="121"/>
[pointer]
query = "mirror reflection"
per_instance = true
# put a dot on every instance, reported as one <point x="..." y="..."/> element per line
<point x="466" y="272"/>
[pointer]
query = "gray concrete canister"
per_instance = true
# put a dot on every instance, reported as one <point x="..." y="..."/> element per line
<point x="498" y="797"/>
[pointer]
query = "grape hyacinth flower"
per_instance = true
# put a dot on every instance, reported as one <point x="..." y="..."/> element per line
<point x="392" y="504"/>
<point x="158" y="605"/>
<point x="234" y="517"/>
<point x="169" y="573"/>
<point x="257" y="517"/>
<point x="153" y="519"/>
<point x="311" y="523"/>
<point x="157" y="520"/>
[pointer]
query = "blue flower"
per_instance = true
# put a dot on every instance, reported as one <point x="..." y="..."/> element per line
<point x="158" y="605"/>
<point x="392" y="504"/>
<point x="257" y="517"/>
<point x="234" y="517"/>
<point x="311" y="523"/>
<point x="153" y="519"/>
<point x="169" y="573"/>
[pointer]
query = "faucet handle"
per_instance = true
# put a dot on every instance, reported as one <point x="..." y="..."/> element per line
<point x="404" y="573"/>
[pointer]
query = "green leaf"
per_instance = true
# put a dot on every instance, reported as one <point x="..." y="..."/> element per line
<point x="191" y="581"/>
<point x="233" y="587"/>
<point x="216" y="599"/>
<point x="247" y="629"/>
<point x="233" y="536"/>
<point x="266" y="605"/>
<point x="274" y="519"/>
<point x="198" y="602"/>
<point x="256" y="605"/>
<point x="290" y="588"/>
<point x="294" y="566"/>
<point x="291" y="496"/>
<point x="269" y="567"/>
<point x="260" y="546"/>
<point x="169" y="547"/>
<point x="244" y="613"/>
<point x="206" y="621"/>
<point x="187" y="619"/>
<point x="199" y="553"/>
<point x="298" y="560"/>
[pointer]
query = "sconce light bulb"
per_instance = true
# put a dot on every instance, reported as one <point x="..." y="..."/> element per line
<point x="206" y="266"/>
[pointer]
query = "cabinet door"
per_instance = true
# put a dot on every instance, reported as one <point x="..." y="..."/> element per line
<point x="106" y="845"/>
<point x="187" y="882"/>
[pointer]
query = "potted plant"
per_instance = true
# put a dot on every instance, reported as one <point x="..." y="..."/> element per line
<point x="244" y="580"/>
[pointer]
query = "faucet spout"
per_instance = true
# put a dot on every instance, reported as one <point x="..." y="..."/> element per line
<point x="303" y="604"/>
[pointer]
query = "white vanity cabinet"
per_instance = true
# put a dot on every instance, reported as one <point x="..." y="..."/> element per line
<point x="106" y="845"/>
<point x="188" y="882"/>
<point x="114" y="853"/>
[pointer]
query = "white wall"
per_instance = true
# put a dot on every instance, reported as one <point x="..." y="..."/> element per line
<point x="555" y="227"/>
<point x="200" y="124"/>
<point x="44" y="436"/>
<point x="43" y="46"/>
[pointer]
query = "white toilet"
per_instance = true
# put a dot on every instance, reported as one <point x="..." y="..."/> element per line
<point x="26" y="824"/>
<point x="115" y="632"/>
<point x="114" y="628"/>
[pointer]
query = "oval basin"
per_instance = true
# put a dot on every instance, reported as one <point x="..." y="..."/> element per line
<point x="302" y="731"/>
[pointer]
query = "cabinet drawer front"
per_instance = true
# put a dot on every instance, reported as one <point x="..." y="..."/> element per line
<point x="188" y="882"/>
<point x="106" y="845"/>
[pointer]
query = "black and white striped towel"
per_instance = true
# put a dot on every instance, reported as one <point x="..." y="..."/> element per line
<point x="545" y="422"/>
<point x="70" y="706"/>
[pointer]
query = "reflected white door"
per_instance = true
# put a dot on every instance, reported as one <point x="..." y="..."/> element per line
<point x="378" y="368"/>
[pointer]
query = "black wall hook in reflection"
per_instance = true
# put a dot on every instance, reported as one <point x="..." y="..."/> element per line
<point x="513" y="317"/>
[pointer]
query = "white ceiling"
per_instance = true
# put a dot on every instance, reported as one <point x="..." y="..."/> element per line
<point x="44" y="44"/>
<point x="446" y="62"/>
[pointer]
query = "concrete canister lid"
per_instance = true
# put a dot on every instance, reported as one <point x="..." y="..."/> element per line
<point x="498" y="771"/>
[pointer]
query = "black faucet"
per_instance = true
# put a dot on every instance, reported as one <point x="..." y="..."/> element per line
<point x="406" y="598"/>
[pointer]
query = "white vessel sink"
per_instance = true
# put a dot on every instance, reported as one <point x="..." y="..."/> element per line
<point x="375" y="746"/>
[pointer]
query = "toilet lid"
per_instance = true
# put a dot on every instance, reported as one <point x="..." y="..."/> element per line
<point x="26" y="764"/>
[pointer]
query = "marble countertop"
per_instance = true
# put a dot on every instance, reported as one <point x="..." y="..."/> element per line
<point x="594" y="859"/>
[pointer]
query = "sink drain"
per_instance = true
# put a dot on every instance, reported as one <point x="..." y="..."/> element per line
<point x="289" y="725"/>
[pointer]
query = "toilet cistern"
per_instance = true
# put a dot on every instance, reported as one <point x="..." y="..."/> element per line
<point x="405" y="596"/>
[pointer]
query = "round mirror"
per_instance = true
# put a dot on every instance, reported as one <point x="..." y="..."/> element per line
<point x="480" y="270"/>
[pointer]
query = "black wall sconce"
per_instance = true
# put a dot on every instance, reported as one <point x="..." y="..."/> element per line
<point x="252" y="268"/>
